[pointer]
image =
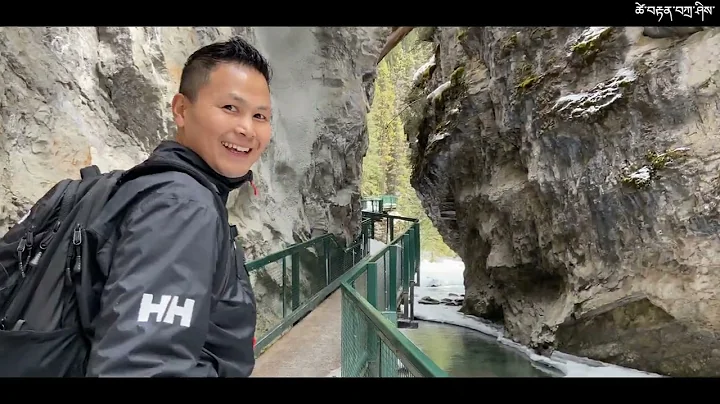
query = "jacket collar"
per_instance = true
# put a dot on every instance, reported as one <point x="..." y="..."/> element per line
<point x="170" y="149"/>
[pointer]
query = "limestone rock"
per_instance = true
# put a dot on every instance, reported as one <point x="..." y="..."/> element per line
<point x="577" y="173"/>
<point x="101" y="95"/>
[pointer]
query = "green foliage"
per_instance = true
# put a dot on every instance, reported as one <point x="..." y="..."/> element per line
<point x="386" y="167"/>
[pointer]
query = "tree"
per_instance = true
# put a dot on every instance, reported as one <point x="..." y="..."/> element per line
<point x="386" y="167"/>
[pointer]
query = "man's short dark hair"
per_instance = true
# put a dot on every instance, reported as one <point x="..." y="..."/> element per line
<point x="235" y="50"/>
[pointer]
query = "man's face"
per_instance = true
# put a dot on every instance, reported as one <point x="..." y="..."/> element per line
<point x="228" y="124"/>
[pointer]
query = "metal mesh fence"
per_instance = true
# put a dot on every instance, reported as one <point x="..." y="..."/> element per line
<point x="371" y="344"/>
<point x="365" y="353"/>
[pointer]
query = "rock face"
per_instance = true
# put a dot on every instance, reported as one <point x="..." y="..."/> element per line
<point x="100" y="95"/>
<point x="577" y="173"/>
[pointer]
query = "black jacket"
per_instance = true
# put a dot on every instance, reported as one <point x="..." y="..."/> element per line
<point x="168" y="306"/>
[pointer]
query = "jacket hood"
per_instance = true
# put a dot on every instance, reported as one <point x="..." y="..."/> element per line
<point x="170" y="149"/>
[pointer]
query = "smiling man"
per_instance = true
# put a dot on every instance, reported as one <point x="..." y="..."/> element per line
<point x="177" y="300"/>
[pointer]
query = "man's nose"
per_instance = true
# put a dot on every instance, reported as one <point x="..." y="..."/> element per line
<point x="245" y="128"/>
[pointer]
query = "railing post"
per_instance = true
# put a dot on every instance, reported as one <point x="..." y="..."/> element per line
<point x="295" y="263"/>
<point x="392" y="281"/>
<point x="418" y="250"/>
<point x="326" y="260"/>
<point x="366" y="245"/>
<point x="371" y="282"/>
<point x="412" y="253"/>
<point x="407" y="249"/>
<point x="411" y="316"/>
<point x="405" y="271"/>
<point x="284" y="286"/>
<point x="391" y="229"/>
<point x="373" y="340"/>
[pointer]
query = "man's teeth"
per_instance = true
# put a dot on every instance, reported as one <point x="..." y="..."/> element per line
<point x="235" y="147"/>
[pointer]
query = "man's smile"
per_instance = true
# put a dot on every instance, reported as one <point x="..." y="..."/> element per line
<point x="236" y="148"/>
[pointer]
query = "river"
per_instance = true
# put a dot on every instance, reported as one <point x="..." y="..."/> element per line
<point x="463" y="352"/>
<point x="465" y="346"/>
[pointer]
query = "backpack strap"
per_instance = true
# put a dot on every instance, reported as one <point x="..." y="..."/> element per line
<point x="156" y="165"/>
<point x="89" y="171"/>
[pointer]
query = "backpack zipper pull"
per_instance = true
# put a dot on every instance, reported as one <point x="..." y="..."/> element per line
<point x="30" y="241"/>
<point x="36" y="259"/>
<point x="20" y="251"/>
<point x="29" y="236"/>
<point x="77" y="235"/>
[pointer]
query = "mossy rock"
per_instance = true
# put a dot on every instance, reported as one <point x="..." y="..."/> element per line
<point x="528" y="82"/>
<point x="659" y="161"/>
<point x="656" y="162"/>
<point x="588" y="49"/>
<point x="425" y="34"/>
<point x="510" y="42"/>
<point x="457" y="75"/>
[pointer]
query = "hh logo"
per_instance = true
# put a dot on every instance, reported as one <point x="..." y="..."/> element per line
<point x="166" y="310"/>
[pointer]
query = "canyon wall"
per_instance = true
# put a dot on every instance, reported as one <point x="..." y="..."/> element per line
<point x="576" y="171"/>
<point x="76" y="96"/>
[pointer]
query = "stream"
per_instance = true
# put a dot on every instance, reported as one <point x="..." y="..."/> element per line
<point x="463" y="352"/>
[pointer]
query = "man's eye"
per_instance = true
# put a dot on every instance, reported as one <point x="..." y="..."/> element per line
<point x="230" y="107"/>
<point x="260" y="116"/>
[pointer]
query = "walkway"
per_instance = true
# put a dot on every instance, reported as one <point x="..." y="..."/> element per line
<point x="310" y="349"/>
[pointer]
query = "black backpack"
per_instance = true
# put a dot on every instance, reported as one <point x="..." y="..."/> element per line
<point x="47" y="273"/>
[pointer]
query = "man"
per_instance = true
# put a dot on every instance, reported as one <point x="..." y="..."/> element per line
<point x="171" y="305"/>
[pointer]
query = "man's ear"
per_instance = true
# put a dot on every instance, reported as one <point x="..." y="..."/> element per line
<point x="179" y="107"/>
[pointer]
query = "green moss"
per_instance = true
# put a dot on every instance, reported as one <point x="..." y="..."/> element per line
<point x="426" y="73"/>
<point x="583" y="47"/>
<point x="461" y="34"/>
<point x="528" y="82"/>
<point x="589" y="47"/>
<point x="524" y="69"/>
<point x="526" y="77"/>
<point x="628" y="181"/>
<point x="457" y="75"/>
<point x="637" y="183"/>
<point x="656" y="162"/>
<point x="510" y="42"/>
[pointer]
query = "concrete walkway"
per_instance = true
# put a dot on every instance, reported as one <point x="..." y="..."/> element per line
<point x="310" y="349"/>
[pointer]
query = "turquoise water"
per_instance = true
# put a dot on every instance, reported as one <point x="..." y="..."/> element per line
<point x="462" y="352"/>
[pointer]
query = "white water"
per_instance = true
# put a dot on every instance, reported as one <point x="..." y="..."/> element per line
<point x="447" y="275"/>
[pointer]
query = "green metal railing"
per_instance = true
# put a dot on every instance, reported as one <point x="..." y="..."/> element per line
<point x="372" y="345"/>
<point x="376" y="290"/>
<point x="292" y="282"/>
<point x="379" y="204"/>
<point x="390" y="225"/>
